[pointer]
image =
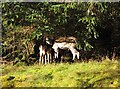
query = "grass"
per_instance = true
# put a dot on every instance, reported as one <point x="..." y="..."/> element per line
<point x="85" y="75"/>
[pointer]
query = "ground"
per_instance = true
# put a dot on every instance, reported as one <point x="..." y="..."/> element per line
<point x="85" y="75"/>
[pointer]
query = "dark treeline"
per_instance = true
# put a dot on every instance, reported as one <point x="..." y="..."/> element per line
<point x="95" y="25"/>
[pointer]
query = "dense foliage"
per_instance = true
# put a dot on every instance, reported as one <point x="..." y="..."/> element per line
<point x="87" y="21"/>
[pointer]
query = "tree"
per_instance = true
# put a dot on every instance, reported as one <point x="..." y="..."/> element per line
<point x="86" y="21"/>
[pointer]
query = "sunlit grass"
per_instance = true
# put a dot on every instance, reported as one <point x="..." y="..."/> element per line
<point x="91" y="74"/>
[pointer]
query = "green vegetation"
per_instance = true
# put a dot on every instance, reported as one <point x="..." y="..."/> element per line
<point x="95" y="25"/>
<point x="88" y="22"/>
<point x="86" y="75"/>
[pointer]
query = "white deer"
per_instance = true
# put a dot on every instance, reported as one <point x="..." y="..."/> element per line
<point x="65" y="45"/>
<point x="42" y="54"/>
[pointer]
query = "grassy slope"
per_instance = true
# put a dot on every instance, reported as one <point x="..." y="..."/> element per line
<point x="92" y="74"/>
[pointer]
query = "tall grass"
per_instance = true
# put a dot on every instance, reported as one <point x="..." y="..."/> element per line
<point x="86" y="75"/>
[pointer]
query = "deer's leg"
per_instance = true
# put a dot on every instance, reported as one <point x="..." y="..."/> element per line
<point x="78" y="55"/>
<point x="42" y="59"/>
<point x="39" y="60"/>
<point x="45" y="58"/>
<point x="73" y="56"/>
<point x="48" y="58"/>
<point x="57" y="54"/>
